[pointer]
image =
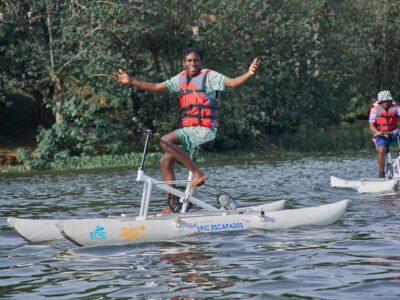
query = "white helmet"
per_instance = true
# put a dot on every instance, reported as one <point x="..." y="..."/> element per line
<point x="384" y="96"/>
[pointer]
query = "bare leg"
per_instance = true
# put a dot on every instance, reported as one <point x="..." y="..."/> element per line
<point x="170" y="144"/>
<point x="167" y="167"/>
<point x="167" y="173"/>
<point x="381" y="159"/>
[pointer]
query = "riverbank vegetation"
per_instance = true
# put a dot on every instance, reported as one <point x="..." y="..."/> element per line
<point x="323" y="63"/>
<point x="342" y="140"/>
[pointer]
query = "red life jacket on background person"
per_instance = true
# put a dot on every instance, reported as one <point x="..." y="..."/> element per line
<point x="197" y="108"/>
<point x="386" y="120"/>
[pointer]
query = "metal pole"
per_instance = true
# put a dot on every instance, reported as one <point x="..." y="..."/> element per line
<point x="148" y="134"/>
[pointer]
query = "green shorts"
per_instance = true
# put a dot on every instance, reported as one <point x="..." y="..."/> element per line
<point x="192" y="137"/>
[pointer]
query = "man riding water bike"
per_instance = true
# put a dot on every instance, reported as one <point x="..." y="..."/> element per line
<point x="198" y="90"/>
<point x="384" y="116"/>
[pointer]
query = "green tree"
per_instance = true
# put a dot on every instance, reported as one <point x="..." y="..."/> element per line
<point x="322" y="60"/>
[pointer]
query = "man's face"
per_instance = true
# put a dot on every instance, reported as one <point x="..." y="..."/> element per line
<point x="192" y="64"/>
<point x="386" y="104"/>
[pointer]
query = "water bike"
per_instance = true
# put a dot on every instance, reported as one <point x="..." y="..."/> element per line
<point x="147" y="227"/>
<point x="376" y="185"/>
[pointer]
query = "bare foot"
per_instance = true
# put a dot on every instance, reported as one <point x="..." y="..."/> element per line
<point x="172" y="201"/>
<point x="198" y="179"/>
<point x="166" y="211"/>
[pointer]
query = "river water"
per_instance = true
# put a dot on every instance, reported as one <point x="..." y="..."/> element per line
<point x="355" y="258"/>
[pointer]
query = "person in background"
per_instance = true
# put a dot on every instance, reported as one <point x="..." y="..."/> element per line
<point x="199" y="98"/>
<point x="384" y="116"/>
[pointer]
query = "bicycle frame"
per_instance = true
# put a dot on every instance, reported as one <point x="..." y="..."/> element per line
<point x="149" y="183"/>
<point x="393" y="164"/>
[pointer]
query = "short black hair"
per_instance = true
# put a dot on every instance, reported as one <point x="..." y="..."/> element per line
<point x="195" y="50"/>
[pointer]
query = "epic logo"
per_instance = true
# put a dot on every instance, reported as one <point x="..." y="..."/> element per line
<point x="98" y="234"/>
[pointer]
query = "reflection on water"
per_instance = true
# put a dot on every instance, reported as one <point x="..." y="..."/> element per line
<point x="355" y="258"/>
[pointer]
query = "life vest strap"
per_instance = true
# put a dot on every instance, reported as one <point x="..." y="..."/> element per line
<point x="183" y="112"/>
<point x="200" y="106"/>
<point x="189" y="91"/>
<point x="196" y="116"/>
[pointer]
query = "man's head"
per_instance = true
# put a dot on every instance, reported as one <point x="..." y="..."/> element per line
<point x="191" y="60"/>
<point x="384" y="98"/>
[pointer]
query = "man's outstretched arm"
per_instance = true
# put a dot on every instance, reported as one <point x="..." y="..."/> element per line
<point x="233" y="82"/>
<point x="123" y="78"/>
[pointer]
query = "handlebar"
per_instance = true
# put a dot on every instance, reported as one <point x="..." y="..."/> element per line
<point x="393" y="132"/>
<point x="139" y="126"/>
<point x="141" y="129"/>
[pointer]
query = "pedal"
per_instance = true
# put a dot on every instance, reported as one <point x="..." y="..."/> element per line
<point x="175" y="205"/>
<point x="227" y="202"/>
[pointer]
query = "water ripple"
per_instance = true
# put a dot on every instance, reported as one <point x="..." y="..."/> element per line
<point x="354" y="258"/>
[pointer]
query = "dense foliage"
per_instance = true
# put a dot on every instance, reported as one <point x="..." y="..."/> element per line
<point x="322" y="62"/>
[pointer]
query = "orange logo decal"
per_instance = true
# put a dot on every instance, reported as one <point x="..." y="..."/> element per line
<point x="132" y="233"/>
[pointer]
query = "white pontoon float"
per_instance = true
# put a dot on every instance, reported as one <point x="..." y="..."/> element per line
<point x="367" y="185"/>
<point x="152" y="228"/>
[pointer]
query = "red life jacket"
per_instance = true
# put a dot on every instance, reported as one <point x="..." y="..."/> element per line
<point x="386" y="120"/>
<point x="197" y="108"/>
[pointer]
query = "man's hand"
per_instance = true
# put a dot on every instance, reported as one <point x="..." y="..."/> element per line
<point x="122" y="77"/>
<point x="378" y="133"/>
<point x="381" y="133"/>
<point x="254" y="65"/>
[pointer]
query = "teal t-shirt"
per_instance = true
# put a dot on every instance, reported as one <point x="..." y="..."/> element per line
<point x="215" y="82"/>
